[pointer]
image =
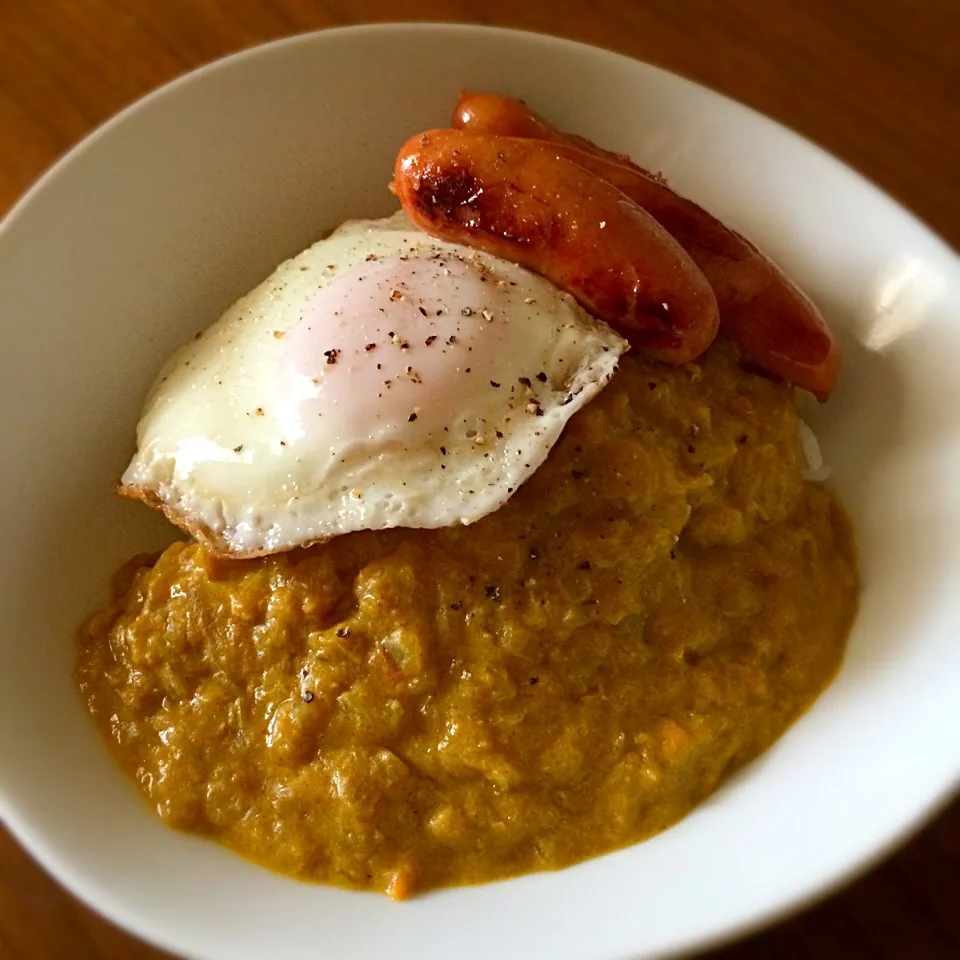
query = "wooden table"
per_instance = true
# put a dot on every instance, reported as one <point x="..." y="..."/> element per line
<point x="875" y="81"/>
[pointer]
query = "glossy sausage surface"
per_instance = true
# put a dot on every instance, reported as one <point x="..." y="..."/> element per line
<point x="521" y="200"/>
<point x="772" y="321"/>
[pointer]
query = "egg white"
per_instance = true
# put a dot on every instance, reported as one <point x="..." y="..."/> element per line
<point x="254" y="446"/>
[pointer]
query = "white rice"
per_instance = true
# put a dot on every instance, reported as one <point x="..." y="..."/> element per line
<point x="816" y="469"/>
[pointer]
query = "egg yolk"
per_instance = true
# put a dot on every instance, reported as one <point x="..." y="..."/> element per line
<point x="391" y="349"/>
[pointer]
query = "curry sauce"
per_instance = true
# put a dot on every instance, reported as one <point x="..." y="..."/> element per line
<point x="405" y="709"/>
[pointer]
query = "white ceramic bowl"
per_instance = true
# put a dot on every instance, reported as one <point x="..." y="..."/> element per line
<point x="144" y="233"/>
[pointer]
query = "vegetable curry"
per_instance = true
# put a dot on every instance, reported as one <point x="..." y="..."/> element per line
<point x="406" y="709"/>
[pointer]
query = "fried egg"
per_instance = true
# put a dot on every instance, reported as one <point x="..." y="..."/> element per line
<point x="379" y="379"/>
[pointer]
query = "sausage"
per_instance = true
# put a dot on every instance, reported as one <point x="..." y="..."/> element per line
<point x="768" y="317"/>
<point x="761" y="310"/>
<point x="507" y="117"/>
<point x="519" y="199"/>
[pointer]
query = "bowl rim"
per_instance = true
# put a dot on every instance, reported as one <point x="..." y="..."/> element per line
<point x="806" y="894"/>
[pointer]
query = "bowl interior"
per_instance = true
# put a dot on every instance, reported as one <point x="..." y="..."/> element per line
<point x="149" y="230"/>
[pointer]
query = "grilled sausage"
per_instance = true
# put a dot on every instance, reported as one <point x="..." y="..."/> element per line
<point x="766" y="315"/>
<point x="520" y="200"/>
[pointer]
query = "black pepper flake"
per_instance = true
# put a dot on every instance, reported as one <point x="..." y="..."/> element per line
<point x="370" y="346"/>
<point x="467" y="370"/>
<point x="652" y="384"/>
<point x="584" y="565"/>
<point x="542" y="377"/>
<point x="691" y="448"/>
<point x="742" y="439"/>
<point x="466" y="312"/>
<point x="331" y="356"/>
<point x="411" y="418"/>
<point x="423" y="311"/>
<point x="283" y="443"/>
<point x="493" y="383"/>
<point x="343" y="632"/>
<point x="492" y="592"/>
<point x="578" y="474"/>
<point x="259" y="411"/>
<point x="526" y="382"/>
<point x="534" y="681"/>
<point x="451" y="340"/>
<point x="308" y="696"/>
<point x="430" y="340"/>
<point x="499" y="434"/>
<point x="443" y="450"/>
<point x="456" y="605"/>
<point x="238" y="448"/>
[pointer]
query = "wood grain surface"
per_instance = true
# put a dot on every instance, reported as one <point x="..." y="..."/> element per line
<point x="877" y="82"/>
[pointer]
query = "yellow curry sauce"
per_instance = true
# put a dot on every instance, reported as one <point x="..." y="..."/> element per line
<point x="412" y="708"/>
